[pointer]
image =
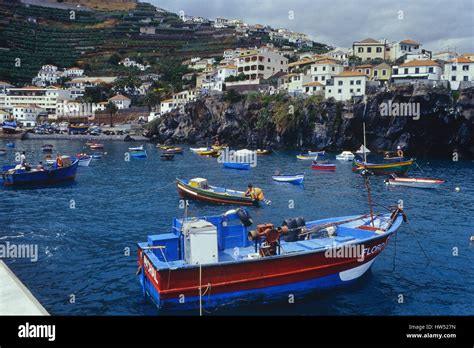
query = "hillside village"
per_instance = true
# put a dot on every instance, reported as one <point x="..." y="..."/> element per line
<point x="137" y="87"/>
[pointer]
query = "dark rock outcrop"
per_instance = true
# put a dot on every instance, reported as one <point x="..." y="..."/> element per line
<point x="444" y="125"/>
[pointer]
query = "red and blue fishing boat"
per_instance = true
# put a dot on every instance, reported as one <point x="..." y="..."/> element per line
<point x="212" y="261"/>
<point x="38" y="177"/>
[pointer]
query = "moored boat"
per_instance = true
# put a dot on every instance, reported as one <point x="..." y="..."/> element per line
<point x="166" y="156"/>
<point x="96" y="146"/>
<point x="84" y="159"/>
<point x="305" y="157"/>
<point x="35" y="176"/>
<point x="3" y="152"/>
<point x="208" y="152"/>
<point x="10" y="144"/>
<point x="198" y="149"/>
<point x="213" y="261"/>
<point x="199" y="189"/>
<point x="294" y="179"/>
<point x="47" y="148"/>
<point x="323" y="166"/>
<point x="317" y="153"/>
<point x="236" y="165"/>
<point x="138" y="148"/>
<point x="138" y="154"/>
<point x="96" y="156"/>
<point x="345" y="156"/>
<point x="9" y="127"/>
<point x="398" y="168"/>
<point x="263" y="152"/>
<point x="426" y="183"/>
<point x="174" y="151"/>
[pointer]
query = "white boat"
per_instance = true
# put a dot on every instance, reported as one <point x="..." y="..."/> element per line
<point x="199" y="149"/>
<point x="85" y="161"/>
<point x="295" y="179"/>
<point x="345" y="156"/>
<point x="138" y="148"/>
<point x="426" y="183"/>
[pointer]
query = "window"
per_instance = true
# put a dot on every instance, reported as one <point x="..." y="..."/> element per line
<point x="465" y="68"/>
<point x="369" y="49"/>
<point x="333" y="68"/>
<point x="360" y="49"/>
<point x="269" y="60"/>
<point x="453" y="68"/>
<point x="329" y="91"/>
<point x="430" y="70"/>
<point x="417" y="70"/>
<point x="358" y="82"/>
<point x="324" y="68"/>
<point x="323" y="78"/>
<point x="351" y="90"/>
<point x="315" y="68"/>
<point x="376" y="72"/>
<point x="395" y="71"/>
<point x="406" y="70"/>
<point x="315" y="78"/>
<point x="384" y="72"/>
<point x="340" y="83"/>
<point x="465" y="78"/>
<point x="339" y="91"/>
<point x="453" y="78"/>
<point x="358" y="90"/>
<point x="352" y="82"/>
<point x="379" y="49"/>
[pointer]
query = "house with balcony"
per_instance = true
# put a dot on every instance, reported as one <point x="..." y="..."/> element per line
<point x="402" y="48"/>
<point x="261" y="63"/>
<point x="416" y="70"/>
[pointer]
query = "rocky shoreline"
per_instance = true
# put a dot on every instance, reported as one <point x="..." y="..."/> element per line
<point x="28" y="135"/>
<point x="445" y="124"/>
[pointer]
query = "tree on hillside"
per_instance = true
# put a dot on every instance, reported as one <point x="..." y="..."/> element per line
<point x="114" y="59"/>
<point x="112" y="109"/>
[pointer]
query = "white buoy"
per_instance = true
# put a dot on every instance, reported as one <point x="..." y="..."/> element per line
<point x="472" y="238"/>
<point x="457" y="189"/>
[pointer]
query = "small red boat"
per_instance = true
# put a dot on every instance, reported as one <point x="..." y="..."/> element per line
<point x="324" y="166"/>
<point x="96" y="146"/>
<point x="414" y="182"/>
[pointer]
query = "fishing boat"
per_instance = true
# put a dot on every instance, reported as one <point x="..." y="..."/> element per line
<point x="219" y="147"/>
<point x="293" y="179"/>
<point x="305" y="157"/>
<point x="77" y="128"/>
<point x="10" y="144"/>
<point x="84" y="159"/>
<point x="214" y="261"/>
<point x="164" y="147"/>
<point x="263" y="152"/>
<point x="47" y="148"/>
<point x="324" y="166"/>
<point x="9" y="127"/>
<point x="138" y="148"/>
<point x="236" y="165"/>
<point x="398" y="168"/>
<point x="317" y="153"/>
<point x="138" y="154"/>
<point x="174" y="151"/>
<point x="426" y="183"/>
<point x="199" y="149"/>
<point x="199" y="189"/>
<point x="23" y="177"/>
<point x="96" y="146"/>
<point x="96" y="156"/>
<point x="166" y="156"/>
<point x="345" y="156"/>
<point x="3" y="152"/>
<point x="362" y="149"/>
<point x="208" y="152"/>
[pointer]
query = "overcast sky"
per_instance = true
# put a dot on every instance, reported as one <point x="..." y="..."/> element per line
<point x="436" y="24"/>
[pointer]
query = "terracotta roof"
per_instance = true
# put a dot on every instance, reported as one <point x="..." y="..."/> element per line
<point x="382" y="65"/>
<point x="409" y="42"/>
<point x="119" y="97"/>
<point x="369" y="41"/>
<point x="365" y="66"/>
<point x="168" y="101"/>
<point x="326" y="61"/>
<point x="312" y="84"/>
<point x="351" y="73"/>
<point x="228" y="67"/>
<point x="461" y="60"/>
<point x="419" y="63"/>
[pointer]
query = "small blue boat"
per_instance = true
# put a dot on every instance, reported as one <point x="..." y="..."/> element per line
<point x="97" y="156"/>
<point x="293" y="179"/>
<point x="11" y="145"/>
<point x="139" y="154"/>
<point x="239" y="166"/>
<point x="35" y="177"/>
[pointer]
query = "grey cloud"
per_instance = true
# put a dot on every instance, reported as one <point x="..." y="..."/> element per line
<point x="437" y="24"/>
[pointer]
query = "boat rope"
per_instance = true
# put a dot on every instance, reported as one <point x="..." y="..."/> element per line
<point x="169" y="267"/>
<point x="394" y="252"/>
<point x="418" y="166"/>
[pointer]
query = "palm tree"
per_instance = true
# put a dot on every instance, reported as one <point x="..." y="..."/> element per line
<point x="112" y="109"/>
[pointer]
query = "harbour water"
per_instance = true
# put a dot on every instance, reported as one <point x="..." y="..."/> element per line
<point x="87" y="231"/>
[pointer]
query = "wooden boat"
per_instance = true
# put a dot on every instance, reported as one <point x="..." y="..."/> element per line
<point x="305" y="157"/>
<point x="138" y="148"/>
<point x="398" y="168"/>
<point x="198" y="189"/>
<point x="199" y="149"/>
<point x="238" y="166"/>
<point x="10" y="144"/>
<point x="219" y="147"/>
<point x="263" y="152"/>
<point x="138" y="154"/>
<point x="96" y="156"/>
<point x="164" y="147"/>
<point x="84" y="159"/>
<point x="199" y="254"/>
<point x="166" y="156"/>
<point x="294" y="179"/>
<point x="426" y="183"/>
<point x="324" y="166"/>
<point x="47" y="148"/>
<point x="96" y="146"/>
<point x="73" y="128"/>
<point x="89" y="143"/>
<point x="174" y="151"/>
<point x="3" y="152"/>
<point x="345" y="156"/>
<point x="208" y="152"/>
<point x="35" y="177"/>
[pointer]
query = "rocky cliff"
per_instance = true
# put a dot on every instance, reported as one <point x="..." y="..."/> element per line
<point x="440" y="123"/>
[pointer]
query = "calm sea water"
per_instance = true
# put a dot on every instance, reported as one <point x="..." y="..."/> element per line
<point x="82" y="251"/>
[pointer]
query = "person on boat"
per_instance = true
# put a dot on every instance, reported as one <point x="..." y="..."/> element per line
<point x="254" y="192"/>
<point x="59" y="161"/>
<point x="23" y="159"/>
<point x="399" y="151"/>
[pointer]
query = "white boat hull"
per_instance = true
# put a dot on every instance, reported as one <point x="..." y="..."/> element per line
<point x="344" y="158"/>
<point x="414" y="184"/>
<point x="85" y="162"/>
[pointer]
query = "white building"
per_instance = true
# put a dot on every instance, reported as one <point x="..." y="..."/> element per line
<point x="120" y="101"/>
<point x="445" y="56"/>
<point x="399" y="49"/>
<point x="261" y="63"/>
<point x="313" y="88"/>
<point x="129" y="63"/>
<point x="47" y="75"/>
<point x="45" y="98"/>
<point x="226" y="71"/>
<point x="324" y="69"/>
<point x="295" y="82"/>
<point x="73" y="72"/>
<point x="167" y="105"/>
<point x="458" y="71"/>
<point x="417" y="70"/>
<point x="27" y="114"/>
<point x="346" y="85"/>
<point x="184" y="97"/>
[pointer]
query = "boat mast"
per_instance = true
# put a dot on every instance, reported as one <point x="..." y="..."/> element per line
<point x="366" y="173"/>
<point x="363" y="129"/>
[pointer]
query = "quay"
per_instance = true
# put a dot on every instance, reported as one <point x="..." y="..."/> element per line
<point x="15" y="298"/>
